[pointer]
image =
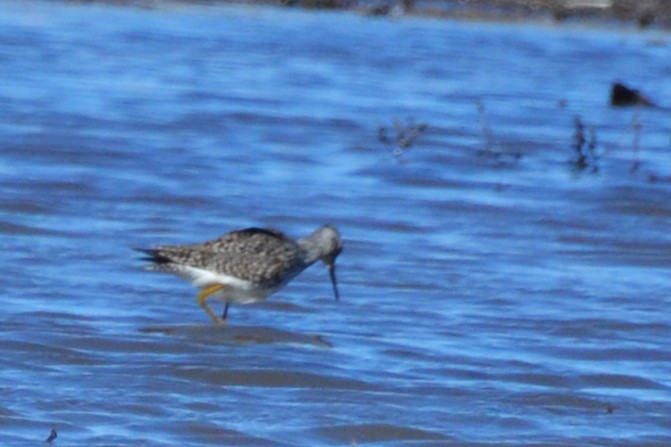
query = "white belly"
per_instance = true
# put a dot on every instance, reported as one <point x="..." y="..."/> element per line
<point x="235" y="291"/>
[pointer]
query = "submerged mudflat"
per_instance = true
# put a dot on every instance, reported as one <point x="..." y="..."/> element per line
<point x="505" y="279"/>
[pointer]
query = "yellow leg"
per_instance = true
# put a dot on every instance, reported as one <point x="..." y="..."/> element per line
<point x="202" y="296"/>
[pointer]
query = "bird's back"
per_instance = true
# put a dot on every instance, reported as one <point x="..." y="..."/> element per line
<point x="265" y="257"/>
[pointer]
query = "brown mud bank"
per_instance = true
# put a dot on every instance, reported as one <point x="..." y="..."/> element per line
<point x="640" y="13"/>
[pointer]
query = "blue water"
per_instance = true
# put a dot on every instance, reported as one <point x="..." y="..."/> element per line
<point x="492" y="293"/>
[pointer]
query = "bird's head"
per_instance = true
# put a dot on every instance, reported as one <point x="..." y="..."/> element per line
<point x="331" y="246"/>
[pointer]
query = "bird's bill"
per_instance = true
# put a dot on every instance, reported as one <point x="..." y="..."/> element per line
<point x="332" y="274"/>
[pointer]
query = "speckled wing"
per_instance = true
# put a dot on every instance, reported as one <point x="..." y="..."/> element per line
<point x="265" y="257"/>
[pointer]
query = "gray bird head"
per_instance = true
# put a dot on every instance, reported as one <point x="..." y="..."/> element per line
<point x="330" y="244"/>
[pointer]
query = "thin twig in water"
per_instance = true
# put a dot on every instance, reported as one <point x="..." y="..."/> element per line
<point x="53" y="435"/>
<point x="486" y="128"/>
<point x="636" y="128"/>
<point x="500" y="158"/>
<point x="585" y="152"/>
<point x="401" y="137"/>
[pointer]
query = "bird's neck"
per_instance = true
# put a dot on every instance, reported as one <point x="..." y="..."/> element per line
<point x="311" y="248"/>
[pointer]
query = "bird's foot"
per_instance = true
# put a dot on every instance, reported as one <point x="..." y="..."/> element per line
<point x="220" y="322"/>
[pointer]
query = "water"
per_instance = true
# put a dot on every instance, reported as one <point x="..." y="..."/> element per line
<point x="492" y="294"/>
